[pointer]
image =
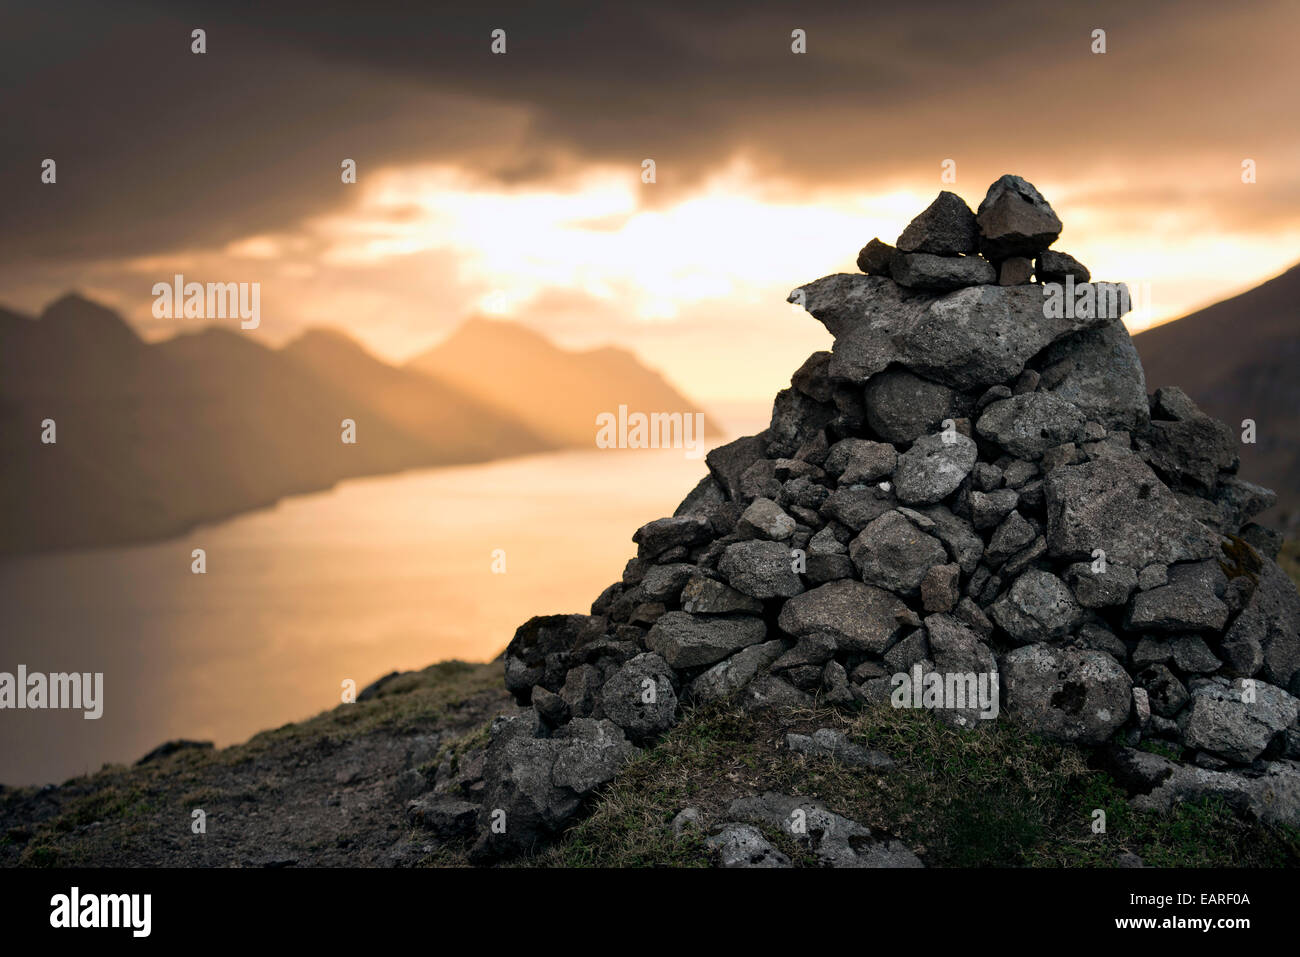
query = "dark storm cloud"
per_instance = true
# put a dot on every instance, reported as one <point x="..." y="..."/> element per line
<point x="159" y="149"/>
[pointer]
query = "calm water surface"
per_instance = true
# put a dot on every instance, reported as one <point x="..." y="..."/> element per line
<point x="374" y="575"/>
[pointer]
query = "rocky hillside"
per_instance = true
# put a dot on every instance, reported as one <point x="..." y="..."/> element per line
<point x="392" y="781"/>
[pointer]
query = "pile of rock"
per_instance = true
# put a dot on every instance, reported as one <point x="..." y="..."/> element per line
<point x="949" y="247"/>
<point x="969" y="482"/>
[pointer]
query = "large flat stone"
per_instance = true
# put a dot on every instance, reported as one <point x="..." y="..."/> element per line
<point x="1117" y="504"/>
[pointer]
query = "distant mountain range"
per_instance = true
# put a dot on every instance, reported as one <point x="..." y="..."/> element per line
<point x="1240" y="359"/>
<point x="153" y="439"/>
<point x="156" y="438"/>
<point x="557" y="393"/>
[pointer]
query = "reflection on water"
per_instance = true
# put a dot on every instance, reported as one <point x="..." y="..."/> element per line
<point x="375" y="575"/>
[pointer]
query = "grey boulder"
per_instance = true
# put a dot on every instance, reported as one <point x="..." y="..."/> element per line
<point x="760" y="569"/>
<point x="1118" y="505"/>
<point x="875" y="257"/>
<point x="707" y="596"/>
<point x="1099" y="371"/>
<point x="1038" y="607"/>
<point x="933" y="468"/>
<point x="894" y="554"/>
<point x="1028" y="425"/>
<point x="858" y="616"/>
<point x="1271" y="796"/>
<point x="639" y="697"/>
<point x="977" y="336"/>
<point x="766" y="519"/>
<point x="1071" y="694"/>
<point x="1267" y="631"/>
<point x="1053" y="266"/>
<point x="957" y="650"/>
<point x="1221" y="720"/>
<point x="1101" y="588"/>
<point x="837" y="841"/>
<point x="657" y="537"/>
<point x="1191" y="601"/>
<point x="854" y="461"/>
<point x="828" y="742"/>
<point x="901" y="406"/>
<point x="731" y="674"/>
<point x="743" y="845"/>
<point x="539" y="783"/>
<point x="690" y="641"/>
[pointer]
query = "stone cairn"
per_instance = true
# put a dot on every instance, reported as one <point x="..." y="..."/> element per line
<point x="973" y="481"/>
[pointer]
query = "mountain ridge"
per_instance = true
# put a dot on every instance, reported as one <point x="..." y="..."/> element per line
<point x="1237" y="358"/>
<point x="578" y="385"/>
<point x="153" y="438"/>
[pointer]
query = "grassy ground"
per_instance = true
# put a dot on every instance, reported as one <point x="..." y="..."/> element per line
<point x="317" y="792"/>
<point x="993" y="797"/>
<point x="322" y="792"/>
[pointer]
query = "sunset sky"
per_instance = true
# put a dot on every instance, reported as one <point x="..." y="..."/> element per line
<point x="510" y="185"/>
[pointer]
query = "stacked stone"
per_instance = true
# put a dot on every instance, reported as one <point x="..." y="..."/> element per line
<point x="1005" y="242"/>
<point x="968" y="482"/>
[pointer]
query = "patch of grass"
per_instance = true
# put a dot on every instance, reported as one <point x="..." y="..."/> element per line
<point x="59" y="841"/>
<point x="127" y="799"/>
<point x="406" y="704"/>
<point x="1242" y="559"/>
<point x="203" y="797"/>
<point x="993" y="796"/>
<point x="106" y="804"/>
<point x="458" y="747"/>
<point x="631" y="823"/>
<point x="1166" y="750"/>
<point x="40" y="855"/>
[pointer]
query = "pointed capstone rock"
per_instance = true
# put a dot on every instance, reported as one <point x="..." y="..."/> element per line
<point x="946" y="228"/>
<point x="1015" y="220"/>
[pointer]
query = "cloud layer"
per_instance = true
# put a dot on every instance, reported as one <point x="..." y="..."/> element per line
<point x="511" y="184"/>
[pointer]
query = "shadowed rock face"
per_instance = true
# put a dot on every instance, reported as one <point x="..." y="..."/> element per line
<point x="972" y="482"/>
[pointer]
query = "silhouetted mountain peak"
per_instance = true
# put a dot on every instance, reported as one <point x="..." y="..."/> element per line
<point x="1237" y="360"/>
<point x="326" y="340"/>
<point x="478" y="332"/>
<point x="510" y="365"/>
<point x="73" y="316"/>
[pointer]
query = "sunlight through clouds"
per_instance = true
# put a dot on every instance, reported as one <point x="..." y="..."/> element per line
<point x="594" y="237"/>
<point x="693" y="279"/>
